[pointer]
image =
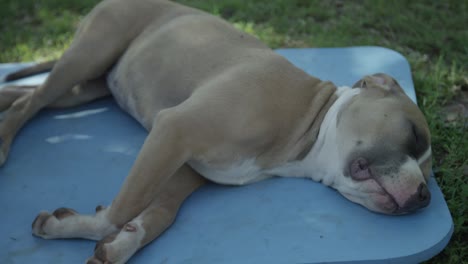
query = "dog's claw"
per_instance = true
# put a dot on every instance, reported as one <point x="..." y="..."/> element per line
<point x="38" y="224"/>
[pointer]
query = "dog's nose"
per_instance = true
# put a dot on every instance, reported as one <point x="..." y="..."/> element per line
<point x="420" y="199"/>
<point x="424" y="194"/>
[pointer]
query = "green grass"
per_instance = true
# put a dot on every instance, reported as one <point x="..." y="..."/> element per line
<point x="433" y="35"/>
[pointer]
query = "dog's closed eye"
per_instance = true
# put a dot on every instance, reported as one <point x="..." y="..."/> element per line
<point x="416" y="142"/>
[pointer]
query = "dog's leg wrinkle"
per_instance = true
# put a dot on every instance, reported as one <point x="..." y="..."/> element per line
<point x="157" y="217"/>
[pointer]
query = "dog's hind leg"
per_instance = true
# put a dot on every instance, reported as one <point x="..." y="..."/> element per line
<point x="79" y="94"/>
<point x="9" y="94"/>
<point x="83" y="93"/>
<point x="119" y="243"/>
<point x="23" y="102"/>
<point x="100" y="41"/>
<point x="31" y="70"/>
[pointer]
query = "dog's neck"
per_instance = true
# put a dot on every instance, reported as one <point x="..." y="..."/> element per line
<point x="321" y="163"/>
<point x="305" y="133"/>
<point x="324" y="156"/>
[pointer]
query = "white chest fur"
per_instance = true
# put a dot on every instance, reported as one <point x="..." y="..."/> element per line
<point x="239" y="173"/>
<point x="323" y="162"/>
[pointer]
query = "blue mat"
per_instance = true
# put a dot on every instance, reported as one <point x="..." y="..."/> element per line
<point x="79" y="157"/>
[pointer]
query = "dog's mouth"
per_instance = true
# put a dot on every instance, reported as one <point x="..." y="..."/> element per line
<point x="394" y="208"/>
<point x="384" y="202"/>
<point x="380" y="189"/>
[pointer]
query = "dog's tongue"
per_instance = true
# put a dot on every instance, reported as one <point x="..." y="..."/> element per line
<point x="360" y="170"/>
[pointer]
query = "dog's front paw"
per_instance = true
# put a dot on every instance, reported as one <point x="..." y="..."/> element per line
<point x="46" y="225"/>
<point x="120" y="246"/>
<point x="101" y="255"/>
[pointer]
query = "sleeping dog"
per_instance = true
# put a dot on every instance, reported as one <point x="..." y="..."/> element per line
<point x="220" y="106"/>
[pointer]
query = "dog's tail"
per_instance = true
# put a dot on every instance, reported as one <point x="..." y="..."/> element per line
<point x="31" y="70"/>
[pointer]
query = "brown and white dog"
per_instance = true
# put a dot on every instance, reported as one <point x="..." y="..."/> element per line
<point x="220" y="105"/>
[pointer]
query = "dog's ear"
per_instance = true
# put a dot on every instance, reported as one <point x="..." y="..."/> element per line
<point x="379" y="81"/>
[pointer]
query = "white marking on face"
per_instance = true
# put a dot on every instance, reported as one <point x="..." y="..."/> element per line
<point x="425" y="156"/>
<point x="405" y="182"/>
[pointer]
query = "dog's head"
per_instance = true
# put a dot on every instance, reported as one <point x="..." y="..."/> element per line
<point x="384" y="148"/>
